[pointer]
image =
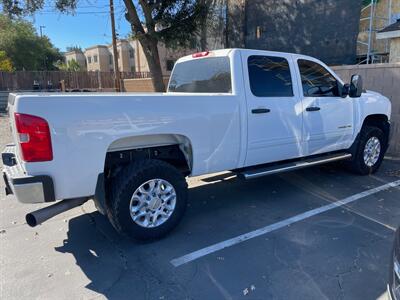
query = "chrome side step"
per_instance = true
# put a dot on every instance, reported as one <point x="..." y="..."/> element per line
<point x="254" y="173"/>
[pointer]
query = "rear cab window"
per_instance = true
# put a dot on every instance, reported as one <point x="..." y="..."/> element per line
<point x="203" y="75"/>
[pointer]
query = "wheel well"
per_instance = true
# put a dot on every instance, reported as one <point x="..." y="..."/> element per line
<point x="172" y="154"/>
<point x="380" y="121"/>
<point x="117" y="160"/>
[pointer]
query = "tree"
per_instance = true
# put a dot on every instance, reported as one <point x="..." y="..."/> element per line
<point x="74" y="48"/>
<point x="174" y="22"/>
<point x="213" y="24"/>
<point x="5" y="62"/>
<point x="24" y="47"/>
<point x="71" y="65"/>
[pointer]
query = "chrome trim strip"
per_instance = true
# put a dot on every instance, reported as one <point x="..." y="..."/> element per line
<point x="300" y="165"/>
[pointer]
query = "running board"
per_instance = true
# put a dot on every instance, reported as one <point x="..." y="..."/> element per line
<point x="254" y="173"/>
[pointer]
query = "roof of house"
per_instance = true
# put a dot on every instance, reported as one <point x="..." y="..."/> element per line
<point x="96" y="46"/>
<point x="392" y="27"/>
<point x="73" y="52"/>
<point x="390" y="32"/>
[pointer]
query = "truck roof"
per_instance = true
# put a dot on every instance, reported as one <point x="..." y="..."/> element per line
<point x="226" y="52"/>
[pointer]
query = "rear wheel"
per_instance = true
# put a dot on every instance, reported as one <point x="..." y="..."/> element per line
<point x="149" y="199"/>
<point x="370" y="151"/>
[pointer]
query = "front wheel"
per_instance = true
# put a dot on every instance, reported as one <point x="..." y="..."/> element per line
<point x="148" y="199"/>
<point x="370" y="151"/>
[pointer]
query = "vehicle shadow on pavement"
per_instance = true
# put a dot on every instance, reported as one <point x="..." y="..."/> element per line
<point x="100" y="253"/>
<point x="118" y="267"/>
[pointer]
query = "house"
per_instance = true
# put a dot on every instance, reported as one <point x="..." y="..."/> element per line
<point x="391" y="33"/>
<point x="131" y="57"/>
<point x="78" y="56"/>
<point x="126" y="56"/>
<point x="373" y="19"/>
<point x="97" y="58"/>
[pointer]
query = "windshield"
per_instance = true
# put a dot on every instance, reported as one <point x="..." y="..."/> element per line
<point x="207" y="75"/>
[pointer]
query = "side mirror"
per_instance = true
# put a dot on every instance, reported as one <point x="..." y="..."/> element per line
<point x="344" y="90"/>
<point x="355" y="86"/>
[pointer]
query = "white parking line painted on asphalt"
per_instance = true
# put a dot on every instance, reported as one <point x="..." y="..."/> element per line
<point x="252" y="234"/>
<point x="313" y="189"/>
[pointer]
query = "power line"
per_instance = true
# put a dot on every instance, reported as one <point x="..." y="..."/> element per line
<point x="121" y="10"/>
<point x="80" y="6"/>
<point x="75" y="13"/>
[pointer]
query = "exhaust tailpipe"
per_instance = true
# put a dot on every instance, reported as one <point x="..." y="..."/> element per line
<point x="39" y="216"/>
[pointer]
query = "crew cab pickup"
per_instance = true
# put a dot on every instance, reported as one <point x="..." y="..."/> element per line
<point x="250" y="112"/>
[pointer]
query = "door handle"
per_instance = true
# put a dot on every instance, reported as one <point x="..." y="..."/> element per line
<point x="313" y="108"/>
<point x="260" y="110"/>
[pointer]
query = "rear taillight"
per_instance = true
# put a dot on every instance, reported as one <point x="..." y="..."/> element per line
<point x="34" y="138"/>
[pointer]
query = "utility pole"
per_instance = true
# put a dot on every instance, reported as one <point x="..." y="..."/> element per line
<point x="371" y="20"/>
<point x="115" y="51"/>
<point x="40" y="28"/>
<point x="41" y="36"/>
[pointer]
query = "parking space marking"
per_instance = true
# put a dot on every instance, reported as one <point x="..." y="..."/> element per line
<point x="315" y="190"/>
<point x="382" y="180"/>
<point x="272" y="227"/>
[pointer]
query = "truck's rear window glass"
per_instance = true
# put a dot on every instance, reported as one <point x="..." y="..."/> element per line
<point x="205" y="75"/>
<point x="269" y="76"/>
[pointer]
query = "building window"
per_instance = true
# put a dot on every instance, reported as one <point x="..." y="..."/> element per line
<point x="89" y="59"/>
<point x="170" y="64"/>
<point x="95" y="58"/>
<point x="269" y="76"/>
<point x="316" y="80"/>
<point x="111" y="59"/>
<point x="131" y="53"/>
<point x="133" y="69"/>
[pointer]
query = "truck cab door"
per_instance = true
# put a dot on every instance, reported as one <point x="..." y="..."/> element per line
<point x="328" y="117"/>
<point x="274" y="112"/>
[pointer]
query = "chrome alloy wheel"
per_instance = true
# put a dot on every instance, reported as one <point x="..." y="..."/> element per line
<point x="153" y="203"/>
<point x="372" y="150"/>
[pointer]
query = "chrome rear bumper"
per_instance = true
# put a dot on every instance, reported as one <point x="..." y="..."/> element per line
<point x="27" y="189"/>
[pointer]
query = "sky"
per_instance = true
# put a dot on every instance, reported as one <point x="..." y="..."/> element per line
<point x="89" y="26"/>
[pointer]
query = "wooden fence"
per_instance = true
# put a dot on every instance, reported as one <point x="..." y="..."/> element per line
<point x="24" y="80"/>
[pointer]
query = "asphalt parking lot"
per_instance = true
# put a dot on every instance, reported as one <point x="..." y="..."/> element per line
<point x="277" y="237"/>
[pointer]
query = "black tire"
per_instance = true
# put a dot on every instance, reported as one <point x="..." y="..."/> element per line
<point x="358" y="164"/>
<point x="126" y="183"/>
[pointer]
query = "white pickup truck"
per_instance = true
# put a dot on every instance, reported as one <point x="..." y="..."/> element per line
<point x="251" y="112"/>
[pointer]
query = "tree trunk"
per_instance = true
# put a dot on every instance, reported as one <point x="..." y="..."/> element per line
<point x="204" y="22"/>
<point x="203" y="35"/>
<point x="153" y="59"/>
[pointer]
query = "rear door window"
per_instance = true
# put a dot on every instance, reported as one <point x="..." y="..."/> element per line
<point x="269" y="76"/>
<point x="205" y="75"/>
